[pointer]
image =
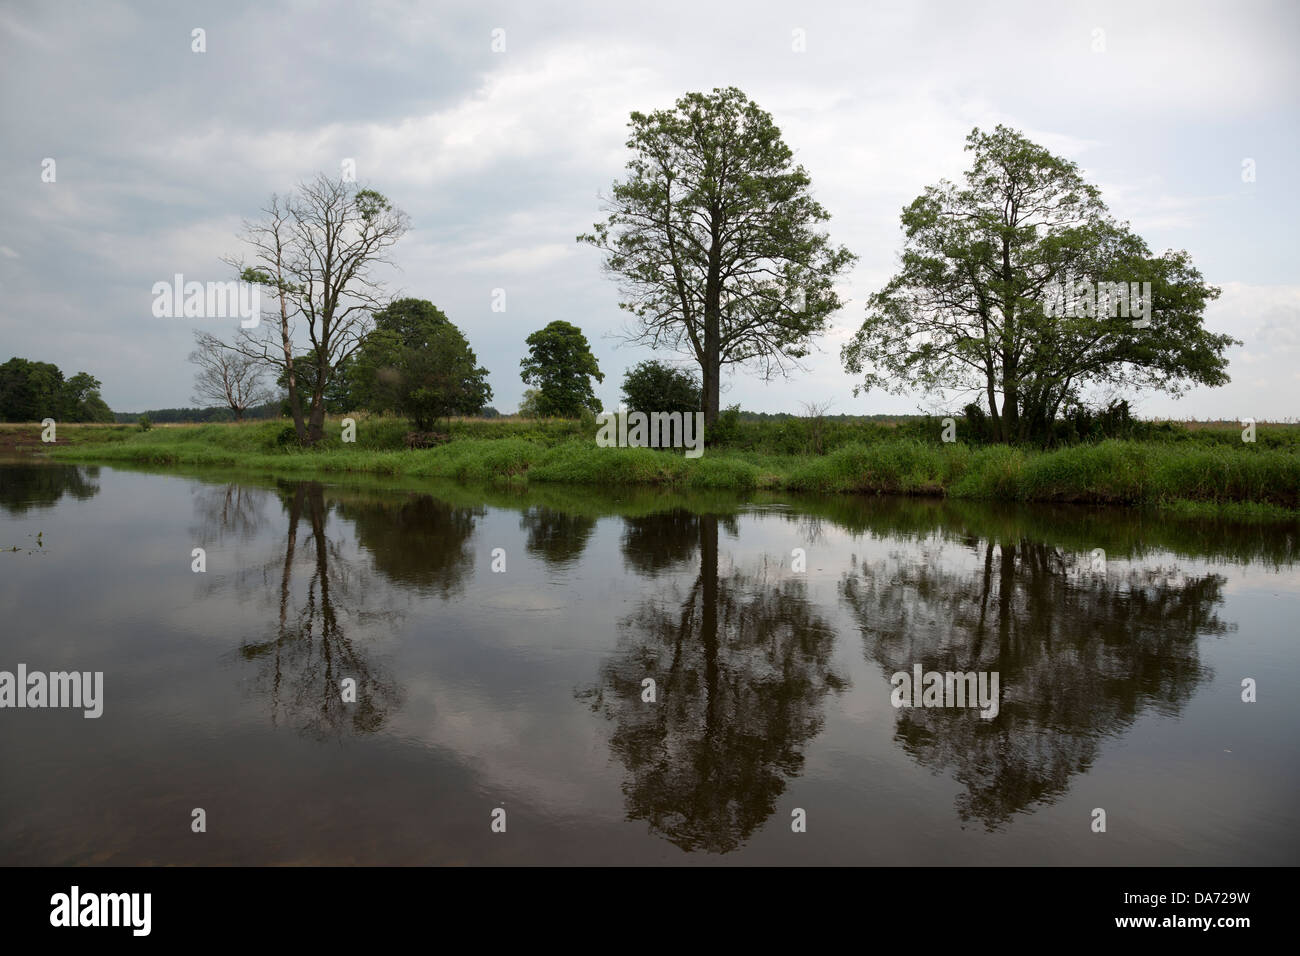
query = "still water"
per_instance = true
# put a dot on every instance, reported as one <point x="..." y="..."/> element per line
<point x="501" y="643"/>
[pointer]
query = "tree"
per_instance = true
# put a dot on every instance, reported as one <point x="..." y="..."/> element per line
<point x="31" y="391"/>
<point x="971" y="311"/>
<point x="417" y="363"/>
<point x="342" y="394"/>
<point x="714" y="238"/>
<point x="528" y="407"/>
<point x="226" y="377"/>
<point x="561" y="365"/>
<point x="315" y="251"/>
<point x="656" y="387"/>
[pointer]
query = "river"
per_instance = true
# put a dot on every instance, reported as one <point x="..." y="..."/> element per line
<point x="578" y="675"/>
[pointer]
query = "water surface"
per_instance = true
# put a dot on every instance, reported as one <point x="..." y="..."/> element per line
<point x="522" y="689"/>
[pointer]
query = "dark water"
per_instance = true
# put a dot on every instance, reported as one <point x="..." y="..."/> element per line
<point x="1120" y="679"/>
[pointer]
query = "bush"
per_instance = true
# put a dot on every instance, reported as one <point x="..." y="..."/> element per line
<point x="727" y="427"/>
<point x="144" y="423"/>
<point x="655" y="387"/>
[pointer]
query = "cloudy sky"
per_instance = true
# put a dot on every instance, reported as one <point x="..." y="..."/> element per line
<point x="500" y="158"/>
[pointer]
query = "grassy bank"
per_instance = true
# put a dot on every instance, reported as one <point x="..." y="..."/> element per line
<point x="1209" y="472"/>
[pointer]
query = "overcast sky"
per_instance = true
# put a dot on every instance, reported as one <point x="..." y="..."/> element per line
<point x="499" y="158"/>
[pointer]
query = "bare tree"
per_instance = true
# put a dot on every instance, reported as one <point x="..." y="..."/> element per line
<point x="315" y="251"/>
<point x="227" y="377"/>
<point x="270" y="242"/>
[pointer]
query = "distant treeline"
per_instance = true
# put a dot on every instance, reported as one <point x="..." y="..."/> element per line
<point x="788" y="416"/>
<point x="163" y="416"/>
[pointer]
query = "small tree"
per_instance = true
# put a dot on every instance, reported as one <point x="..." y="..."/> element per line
<point x="528" y="407"/>
<point x="653" y="386"/>
<point x="417" y="363"/>
<point x="227" y="377"/>
<point x="561" y="365"/>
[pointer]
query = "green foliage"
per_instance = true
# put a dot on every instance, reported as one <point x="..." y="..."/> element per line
<point x="714" y="234"/>
<point x="32" y="391"/>
<point x="144" y="423"/>
<point x="727" y="428"/>
<point x="969" y="310"/>
<point x="653" y="386"/>
<point x="417" y="363"/>
<point x="343" y="392"/>
<point x="561" y="365"/>
<point x="528" y="405"/>
<point x="1200" y="468"/>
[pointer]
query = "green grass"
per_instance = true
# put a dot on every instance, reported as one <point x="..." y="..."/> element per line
<point x="1208" y="472"/>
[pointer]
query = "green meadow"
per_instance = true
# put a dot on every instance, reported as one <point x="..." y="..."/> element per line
<point x="1173" y="466"/>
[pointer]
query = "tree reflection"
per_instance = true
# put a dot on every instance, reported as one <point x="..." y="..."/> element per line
<point x="741" y="663"/>
<point x="1080" y="654"/>
<point x="420" y="541"/>
<point x="42" y="486"/>
<point x="229" y="509"/>
<point x="557" y="537"/>
<point x="310" y="652"/>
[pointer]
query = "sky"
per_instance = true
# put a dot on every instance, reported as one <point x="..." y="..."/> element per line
<point x="1185" y="115"/>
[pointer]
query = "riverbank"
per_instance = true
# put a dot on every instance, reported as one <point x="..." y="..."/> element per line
<point x="1248" y="480"/>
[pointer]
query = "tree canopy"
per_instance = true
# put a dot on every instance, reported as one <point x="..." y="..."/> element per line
<point x="561" y="365"/>
<point x="653" y="386"/>
<point x="971" y="309"/>
<point x="714" y="238"/>
<point x="417" y="363"/>
<point x="32" y="391"/>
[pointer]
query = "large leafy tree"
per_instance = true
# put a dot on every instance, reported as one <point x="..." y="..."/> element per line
<point x="970" y="309"/>
<point x="417" y="363"/>
<point x="714" y="238"/>
<point x="561" y="365"/>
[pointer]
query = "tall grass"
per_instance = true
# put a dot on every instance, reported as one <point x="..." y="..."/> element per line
<point x="514" y="451"/>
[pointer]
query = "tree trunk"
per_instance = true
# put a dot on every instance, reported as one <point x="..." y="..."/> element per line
<point x="994" y="416"/>
<point x="1010" y="400"/>
<point x="295" y="400"/>
<point x="316" y="423"/>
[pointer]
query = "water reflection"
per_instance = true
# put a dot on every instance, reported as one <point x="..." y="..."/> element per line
<point x="1080" y="653"/>
<point x="308" y="651"/>
<point x="557" y="537"/>
<point x="741" y="664"/>
<point x="42" y="486"/>
<point x="416" y="541"/>
<point x="230" y="509"/>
